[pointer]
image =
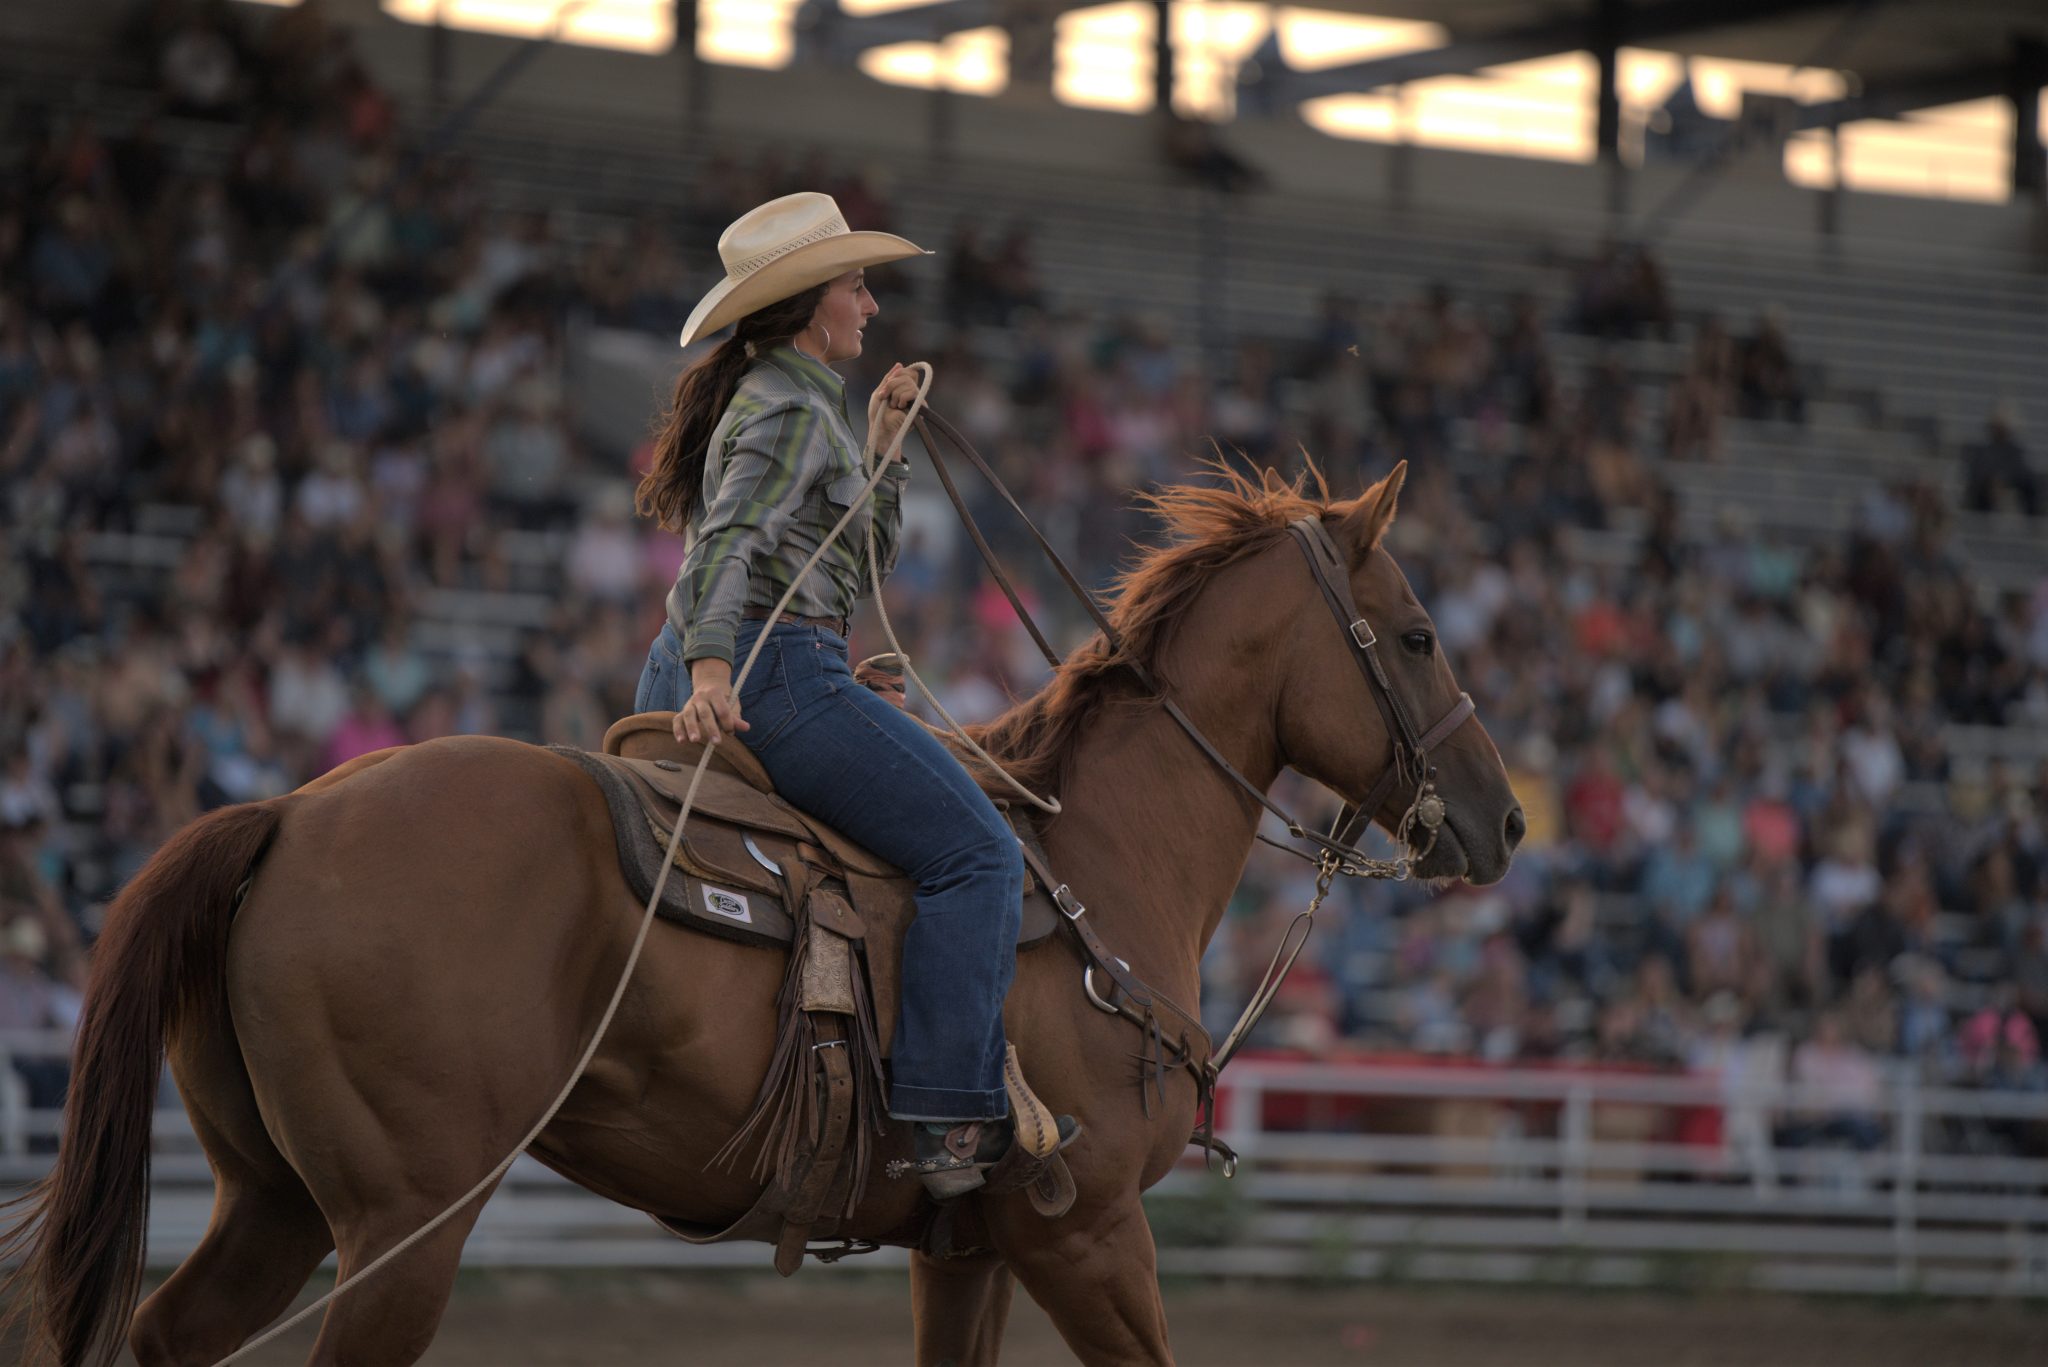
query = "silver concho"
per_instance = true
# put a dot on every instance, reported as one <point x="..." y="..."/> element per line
<point x="1429" y="811"/>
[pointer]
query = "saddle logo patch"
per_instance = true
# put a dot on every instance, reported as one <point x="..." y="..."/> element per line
<point x="731" y="905"/>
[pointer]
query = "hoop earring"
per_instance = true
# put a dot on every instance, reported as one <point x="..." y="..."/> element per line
<point x="828" y="338"/>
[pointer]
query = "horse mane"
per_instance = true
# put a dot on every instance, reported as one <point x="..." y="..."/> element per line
<point x="1208" y="526"/>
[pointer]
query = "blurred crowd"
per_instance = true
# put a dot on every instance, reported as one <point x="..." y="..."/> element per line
<point x="281" y="438"/>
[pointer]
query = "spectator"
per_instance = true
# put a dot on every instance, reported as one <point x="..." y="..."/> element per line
<point x="1192" y="147"/>
<point x="366" y="727"/>
<point x="1845" y="1087"/>
<point x="1769" y="380"/>
<point x="1621" y="293"/>
<point x="1996" y="471"/>
<point x="332" y="451"/>
<point x="29" y="1000"/>
<point x="1721" y="953"/>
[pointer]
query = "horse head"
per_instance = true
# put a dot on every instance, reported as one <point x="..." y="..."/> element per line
<point x="1331" y="727"/>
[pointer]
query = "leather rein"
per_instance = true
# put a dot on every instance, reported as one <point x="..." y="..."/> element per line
<point x="1334" y="853"/>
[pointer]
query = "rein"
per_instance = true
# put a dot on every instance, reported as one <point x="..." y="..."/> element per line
<point x="1334" y="854"/>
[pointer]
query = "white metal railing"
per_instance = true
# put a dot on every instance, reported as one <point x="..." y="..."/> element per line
<point x="1458" y="1171"/>
<point x="1632" y="1201"/>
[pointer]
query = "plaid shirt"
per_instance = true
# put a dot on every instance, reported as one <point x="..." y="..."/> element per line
<point x="782" y="467"/>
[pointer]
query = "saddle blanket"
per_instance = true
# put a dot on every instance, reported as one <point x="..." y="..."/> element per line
<point x="747" y="857"/>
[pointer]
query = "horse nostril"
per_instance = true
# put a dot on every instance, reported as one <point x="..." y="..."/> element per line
<point x="1517" y="826"/>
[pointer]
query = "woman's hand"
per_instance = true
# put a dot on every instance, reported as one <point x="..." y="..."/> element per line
<point x="898" y="390"/>
<point x="712" y="707"/>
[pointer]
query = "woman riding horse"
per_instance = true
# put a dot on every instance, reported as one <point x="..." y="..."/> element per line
<point x="755" y="463"/>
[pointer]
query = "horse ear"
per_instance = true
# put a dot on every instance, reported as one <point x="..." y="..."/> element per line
<point x="1367" y="519"/>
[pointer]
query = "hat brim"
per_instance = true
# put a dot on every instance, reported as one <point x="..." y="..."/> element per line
<point x="812" y="264"/>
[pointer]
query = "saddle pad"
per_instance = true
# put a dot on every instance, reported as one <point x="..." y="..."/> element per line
<point x="728" y="893"/>
<point x="721" y="885"/>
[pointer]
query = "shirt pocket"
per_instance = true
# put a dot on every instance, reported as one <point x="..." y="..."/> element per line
<point x="844" y="491"/>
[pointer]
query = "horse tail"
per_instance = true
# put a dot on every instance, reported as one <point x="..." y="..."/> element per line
<point x="160" y="964"/>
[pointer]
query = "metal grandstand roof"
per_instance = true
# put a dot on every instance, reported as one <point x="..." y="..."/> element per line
<point x="1884" y="42"/>
<point x="1875" y="38"/>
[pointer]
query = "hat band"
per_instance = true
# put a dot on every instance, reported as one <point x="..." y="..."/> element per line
<point x="740" y="270"/>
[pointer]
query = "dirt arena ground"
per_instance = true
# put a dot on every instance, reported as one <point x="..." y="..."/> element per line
<point x="841" y="1319"/>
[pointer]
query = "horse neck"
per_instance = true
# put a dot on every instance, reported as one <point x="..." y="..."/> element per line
<point x="1153" y="833"/>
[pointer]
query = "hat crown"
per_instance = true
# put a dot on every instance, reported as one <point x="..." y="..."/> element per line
<point x="776" y="229"/>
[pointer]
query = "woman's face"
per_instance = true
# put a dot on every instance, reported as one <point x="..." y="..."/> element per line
<point x="841" y="315"/>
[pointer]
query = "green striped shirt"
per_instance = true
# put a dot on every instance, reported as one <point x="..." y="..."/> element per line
<point x="782" y="467"/>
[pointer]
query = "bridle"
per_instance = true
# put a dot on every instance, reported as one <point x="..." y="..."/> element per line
<point x="1334" y="853"/>
<point x="1411" y="751"/>
<point x="1326" y="564"/>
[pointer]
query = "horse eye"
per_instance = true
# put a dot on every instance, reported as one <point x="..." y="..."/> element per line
<point x="1421" y="642"/>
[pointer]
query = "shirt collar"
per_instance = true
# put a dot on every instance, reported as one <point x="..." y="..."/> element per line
<point x="811" y="372"/>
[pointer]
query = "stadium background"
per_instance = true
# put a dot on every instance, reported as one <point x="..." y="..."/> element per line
<point x="329" y="340"/>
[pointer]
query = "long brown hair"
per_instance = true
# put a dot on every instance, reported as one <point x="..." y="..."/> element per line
<point x="668" y="493"/>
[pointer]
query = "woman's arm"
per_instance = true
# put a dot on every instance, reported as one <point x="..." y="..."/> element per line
<point x="775" y="458"/>
<point x="889" y="514"/>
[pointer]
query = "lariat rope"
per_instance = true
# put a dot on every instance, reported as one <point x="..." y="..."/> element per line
<point x="877" y="470"/>
<point x="1049" y="805"/>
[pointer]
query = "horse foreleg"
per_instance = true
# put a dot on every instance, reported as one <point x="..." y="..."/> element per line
<point x="1095" y="1274"/>
<point x="960" y="1306"/>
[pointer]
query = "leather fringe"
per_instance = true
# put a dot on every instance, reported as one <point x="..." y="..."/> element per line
<point x="787" y="1110"/>
<point x="870" y="1087"/>
<point x="785" y="1114"/>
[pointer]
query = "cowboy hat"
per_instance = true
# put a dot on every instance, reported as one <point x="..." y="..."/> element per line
<point x="783" y="248"/>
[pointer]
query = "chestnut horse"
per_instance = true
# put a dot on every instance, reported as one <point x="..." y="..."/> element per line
<point x="425" y="937"/>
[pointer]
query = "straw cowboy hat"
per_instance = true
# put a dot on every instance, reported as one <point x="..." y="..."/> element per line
<point x="782" y="248"/>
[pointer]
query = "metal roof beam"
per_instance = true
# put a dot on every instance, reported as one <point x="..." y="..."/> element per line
<point x="1462" y="56"/>
<point x="834" y="34"/>
<point x="1889" y="98"/>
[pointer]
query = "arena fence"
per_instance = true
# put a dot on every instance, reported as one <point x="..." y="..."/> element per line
<point x="1407" y="1171"/>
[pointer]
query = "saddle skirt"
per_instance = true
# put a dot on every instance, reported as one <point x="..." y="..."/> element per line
<point x="751" y="868"/>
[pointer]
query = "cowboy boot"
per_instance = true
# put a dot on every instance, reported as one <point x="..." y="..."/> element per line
<point x="953" y="1158"/>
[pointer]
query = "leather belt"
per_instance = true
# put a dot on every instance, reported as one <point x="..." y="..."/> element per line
<point x="836" y="625"/>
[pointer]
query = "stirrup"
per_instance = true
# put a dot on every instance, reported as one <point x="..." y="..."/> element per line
<point x="957" y="1162"/>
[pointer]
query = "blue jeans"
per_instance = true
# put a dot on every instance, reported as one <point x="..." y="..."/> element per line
<point x="863" y="766"/>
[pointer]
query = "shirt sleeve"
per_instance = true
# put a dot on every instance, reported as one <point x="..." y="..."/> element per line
<point x="889" y="513"/>
<point x="775" y="458"/>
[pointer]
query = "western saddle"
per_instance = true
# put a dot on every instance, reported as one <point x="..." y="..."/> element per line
<point x="752" y="869"/>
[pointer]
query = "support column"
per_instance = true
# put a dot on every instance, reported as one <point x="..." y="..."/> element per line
<point x="2026" y="76"/>
<point x="941" y="128"/>
<point x="1607" y="26"/>
<point x="1162" y="56"/>
<point x="1401" y="154"/>
<point x="696" y="72"/>
<point x="1033" y="30"/>
<point x="1831" y="198"/>
<point x="440" y="68"/>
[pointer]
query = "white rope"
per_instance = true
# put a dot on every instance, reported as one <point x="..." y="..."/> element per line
<point x="604" y="1022"/>
<point x="1044" y="804"/>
